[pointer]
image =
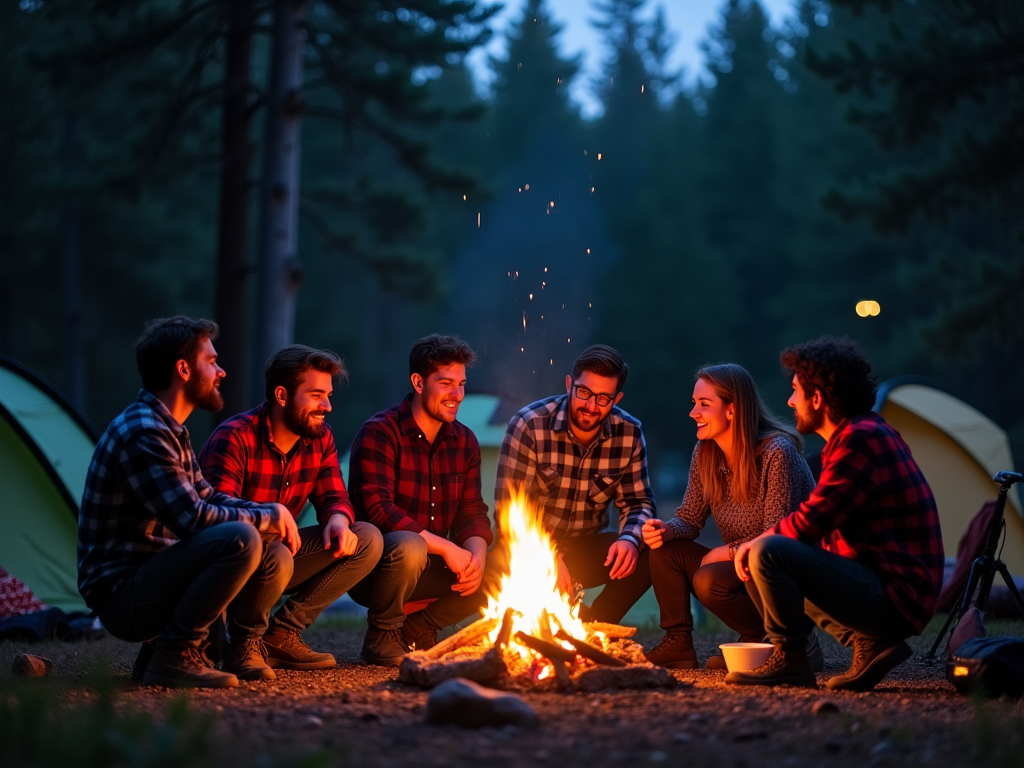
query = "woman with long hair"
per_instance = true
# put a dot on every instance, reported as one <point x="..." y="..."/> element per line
<point x="747" y="472"/>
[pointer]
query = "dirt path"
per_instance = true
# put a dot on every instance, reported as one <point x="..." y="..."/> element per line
<point x="359" y="715"/>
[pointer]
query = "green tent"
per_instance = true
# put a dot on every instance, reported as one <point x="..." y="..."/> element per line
<point x="45" y="450"/>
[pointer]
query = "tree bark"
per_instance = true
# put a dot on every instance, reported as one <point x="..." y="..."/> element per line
<point x="231" y="302"/>
<point x="280" y="273"/>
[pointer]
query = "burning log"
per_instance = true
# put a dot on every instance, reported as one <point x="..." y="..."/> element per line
<point x="505" y="633"/>
<point x="588" y="651"/>
<point x="418" y="668"/>
<point x="611" y="631"/>
<point x="633" y="676"/>
<point x="550" y="651"/>
<point x="466" y="636"/>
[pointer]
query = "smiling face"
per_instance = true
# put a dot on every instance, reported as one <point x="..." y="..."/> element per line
<point x="305" y="410"/>
<point x="586" y="415"/>
<point x="712" y="414"/>
<point x="810" y="411"/>
<point x="441" y="393"/>
<point x="203" y="385"/>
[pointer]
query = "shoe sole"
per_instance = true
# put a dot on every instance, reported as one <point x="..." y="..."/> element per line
<point x="302" y="666"/>
<point x="797" y="681"/>
<point x="381" y="661"/>
<point x="175" y="682"/>
<point x="254" y="675"/>
<point x="874" y="672"/>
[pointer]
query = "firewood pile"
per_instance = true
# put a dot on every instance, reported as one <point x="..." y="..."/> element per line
<point x="555" y="661"/>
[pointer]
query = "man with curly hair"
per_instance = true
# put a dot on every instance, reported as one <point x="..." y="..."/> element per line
<point x="862" y="557"/>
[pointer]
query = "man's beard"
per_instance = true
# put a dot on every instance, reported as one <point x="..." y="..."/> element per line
<point x="205" y="395"/>
<point x="811" y="424"/>
<point x="574" y="417"/>
<point x="302" y="424"/>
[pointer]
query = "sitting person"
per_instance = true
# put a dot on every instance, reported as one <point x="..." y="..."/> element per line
<point x="747" y="472"/>
<point x="161" y="554"/>
<point x="283" y="451"/>
<point x="862" y="557"/>
<point x="415" y="474"/>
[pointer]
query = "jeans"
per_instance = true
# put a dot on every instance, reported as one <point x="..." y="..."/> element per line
<point x="585" y="556"/>
<point x="795" y="586"/>
<point x="313" y="579"/>
<point x="676" y="572"/>
<point x="180" y="591"/>
<point x="407" y="572"/>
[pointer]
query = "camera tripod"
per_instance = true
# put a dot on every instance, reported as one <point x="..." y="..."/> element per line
<point x="986" y="565"/>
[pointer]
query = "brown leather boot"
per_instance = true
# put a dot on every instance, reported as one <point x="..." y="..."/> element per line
<point x="417" y="632"/>
<point x="787" y="665"/>
<point x="287" y="650"/>
<point x="872" y="660"/>
<point x="675" y="651"/>
<point x="383" y="647"/>
<point x="184" y="668"/>
<point x="246" y="659"/>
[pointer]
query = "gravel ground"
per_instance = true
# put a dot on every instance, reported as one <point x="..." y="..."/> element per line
<point x="360" y="715"/>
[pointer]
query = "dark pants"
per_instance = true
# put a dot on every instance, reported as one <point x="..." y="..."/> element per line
<point x="313" y="579"/>
<point x="796" y="586"/>
<point x="407" y="572"/>
<point x="180" y="591"/>
<point x="676" y="572"/>
<point x="585" y="556"/>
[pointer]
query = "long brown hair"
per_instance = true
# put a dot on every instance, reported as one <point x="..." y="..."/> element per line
<point x="753" y="424"/>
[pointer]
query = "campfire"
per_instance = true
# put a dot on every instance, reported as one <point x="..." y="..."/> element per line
<point x="530" y="635"/>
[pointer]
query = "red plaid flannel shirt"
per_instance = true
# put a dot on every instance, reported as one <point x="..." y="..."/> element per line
<point x="873" y="505"/>
<point x="400" y="482"/>
<point x="240" y="459"/>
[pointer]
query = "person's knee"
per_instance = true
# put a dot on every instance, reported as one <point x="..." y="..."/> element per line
<point x="703" y="584"/>
<point x="371" y="541"/>
<point x="277" y="562"/>
<point x="764" y="552"/>
<point x="244" y="540"/>
<point x="406" y="551"/>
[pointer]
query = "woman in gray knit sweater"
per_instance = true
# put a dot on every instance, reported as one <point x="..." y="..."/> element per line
<point x="747" y="472"/>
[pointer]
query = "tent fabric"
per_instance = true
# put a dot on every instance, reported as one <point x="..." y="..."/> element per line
<point x="45" y="450"/>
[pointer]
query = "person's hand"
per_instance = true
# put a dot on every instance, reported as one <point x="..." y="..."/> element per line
<point x="286" y="528"/>
<point x="338" y="529"/>
<point x="456" y="558"/>
<point x="622" y="557"/>
<point x="655" y="532"/>
<point x="717" y="555"/>
<point x="740" y="560"/>
<point x="471" y="578"/>
<point x="564" y="577"/>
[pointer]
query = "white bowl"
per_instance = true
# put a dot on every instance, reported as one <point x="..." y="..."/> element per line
<point x="743" y="657"/>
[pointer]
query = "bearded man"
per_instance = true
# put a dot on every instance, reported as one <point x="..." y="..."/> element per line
<point x="283" y="451"/>
<point x="573" y="455"/>
<point x="161" y="554"/>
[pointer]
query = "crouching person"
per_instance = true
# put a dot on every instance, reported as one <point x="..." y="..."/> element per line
<point x="161" y="554"/>
<point x="863" y="555"/>
<point x="416" y="475"/>
<point x="284" y="451"/>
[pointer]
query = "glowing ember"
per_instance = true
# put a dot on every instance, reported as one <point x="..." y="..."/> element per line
<point x="531" y="586"/>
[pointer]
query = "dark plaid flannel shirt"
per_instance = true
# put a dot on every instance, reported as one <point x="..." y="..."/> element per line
<point x="241" y="460"/>
<point x="571" y="485"/>
<point x="873" y="505"/>
<point x="401" y="482"/>
<point x="145" y="492"/>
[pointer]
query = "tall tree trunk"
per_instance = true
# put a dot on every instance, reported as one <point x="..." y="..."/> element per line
<point x="280" y="272"/>
<point x="71" y="268"/>
<point x="231" y="303"/>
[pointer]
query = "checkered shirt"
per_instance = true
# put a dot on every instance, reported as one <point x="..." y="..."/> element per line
<point x="145" y="492"/>
<point x="873" y="505"/>
<point x="401" y="482"/>
<point x="573" y="485"/>
<point x="241" y="460"/>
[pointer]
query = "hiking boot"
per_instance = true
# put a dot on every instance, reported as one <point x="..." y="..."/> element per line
<point x="383" y="647"/>
<point x="142" y="661"/>
<point x="417" y="633"/>
<point x="246" y="658"/>
<point x="717" y="660"/>
<point x="815" y="656"/>
<point x="185" y="668"/>
<point x="786" y="666"/>
<point x="286" y="650"/>
<point x="675" y="651"/>
<point x="872" y="660"/>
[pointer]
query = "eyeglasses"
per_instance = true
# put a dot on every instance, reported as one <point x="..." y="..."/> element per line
<point x="583" y="393"/>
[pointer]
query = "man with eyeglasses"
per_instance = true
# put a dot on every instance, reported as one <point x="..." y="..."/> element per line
<point x="572" y="455"/>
